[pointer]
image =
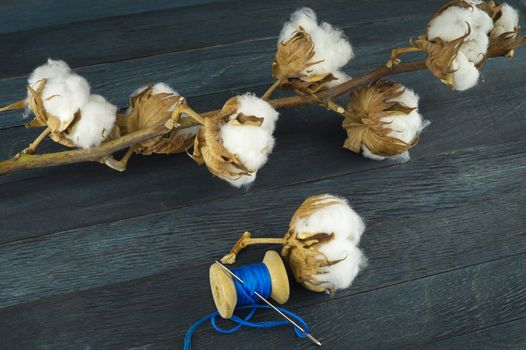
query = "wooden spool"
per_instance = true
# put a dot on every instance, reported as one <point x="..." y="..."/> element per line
<point x="224" y="290"/>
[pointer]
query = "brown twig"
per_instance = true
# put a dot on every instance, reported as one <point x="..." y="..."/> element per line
<point x="246" y="240"/>
<point x="29" y="161"/>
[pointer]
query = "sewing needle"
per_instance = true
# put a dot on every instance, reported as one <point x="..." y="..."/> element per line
<point x="308" y="335"/>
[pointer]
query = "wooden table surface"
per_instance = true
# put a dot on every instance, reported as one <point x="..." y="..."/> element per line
<point x="95" y="259"/>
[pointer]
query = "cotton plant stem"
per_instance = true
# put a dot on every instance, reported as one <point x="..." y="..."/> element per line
<point x="14" y="106"/>
<point x="333" y="106"/>
<point x="28" y="161"/>
<point x="396" y="53"/>
<point x="120" y="165"/>
<point x="246" y="240"/>
<point x="34" y="145"/>
<point x="271" y="89"/>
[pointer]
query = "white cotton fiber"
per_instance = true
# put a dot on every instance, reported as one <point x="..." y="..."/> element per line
<point x="454" y="22"/>
<point x="339" y="219"/>
<point x="350" y="261"/>
<point x="250" y="104"/>
<point x="250" y="143"/>
<point x="65" y="92"/>
<point x="507" y="22"/>
<point x="404" y="127"/>
<point x="328" y="214"/>
<point x="51" y="69"/>
<point x="96" y="122"/>
<point x="330" y="44"/>
<point x="476" y="48"/>
<point x="465" y="74"/>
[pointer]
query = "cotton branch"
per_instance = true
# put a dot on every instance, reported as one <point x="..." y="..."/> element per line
<point x="102" y="153"/>
<point x="27" y="161"/>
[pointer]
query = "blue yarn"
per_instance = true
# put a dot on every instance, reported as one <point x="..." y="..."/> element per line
<point x="257" y="278"/>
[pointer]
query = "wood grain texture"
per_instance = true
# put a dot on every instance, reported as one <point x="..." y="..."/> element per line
<point x="149" y="311"/>
<point x="505" y="336"/>
<point x="487" y="182"/>
<point x="208" y="70"/>
<point x="94" y="259"/>
<point x="238" y="67"/>
<point x="92" y="193"/>
<point x="159" y="32"/>
<point x="19" y="15"/>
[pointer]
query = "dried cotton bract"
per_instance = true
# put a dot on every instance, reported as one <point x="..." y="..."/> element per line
<point x="321" y="244"/>
<point x="60" y="99"/>
<point x="383" y="121"/>
<point x="150" y="106"/>
<point x="456" y="41"/>
<point x="236" y="142"/>
<point x="310" y="55"/>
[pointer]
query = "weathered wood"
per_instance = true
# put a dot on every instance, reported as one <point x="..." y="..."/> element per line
<point x="160" y="308"/>
<point x="96" y="259"/>
<point x="28" y="14"/>
<point x="168" y="30"/>
<point x="483" y="181"/>
<point x="238" y="67"/>
<point x="205" y="71"/>
<point x="304" y="142"/>
<point x="508" y="335"/>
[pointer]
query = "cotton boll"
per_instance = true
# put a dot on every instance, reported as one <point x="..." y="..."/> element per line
<point x="95" y="124"/>
<point x="407" y="126"/>
<point x="451" y="24"/>
<point x="481" y="22"/>
<point x="64" y="92"/>
<point x="251" y="144"/>
<point x="408" y="98"/>
<point x="320" y="245"/>
<point x="249" y="104"/>
<point x="476" y="48"/>
<point x="350" y="261"/>
<point x="64" y="95"/>
<point x="51" y="69"/>
<point x="236" y="142"/>
<point x="330" y="44"/>
<point x="466" y="74"/>
<point x="455" y="22"/>
<point x="339" y="219"/>
<point x="507" y="22"/>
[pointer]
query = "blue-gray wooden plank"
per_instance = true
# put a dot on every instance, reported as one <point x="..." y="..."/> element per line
<point x="306" y="138"/>
<point x="504" y="336"/>
<point x="125" y="283"/>
<point x="160" y="32"/>
<point x="487" y="181"/>
<point x="18" y="15"/>
<point x="155" y="312"/>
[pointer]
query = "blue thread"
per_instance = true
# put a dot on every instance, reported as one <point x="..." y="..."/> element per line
<point x="257" y="278"/>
